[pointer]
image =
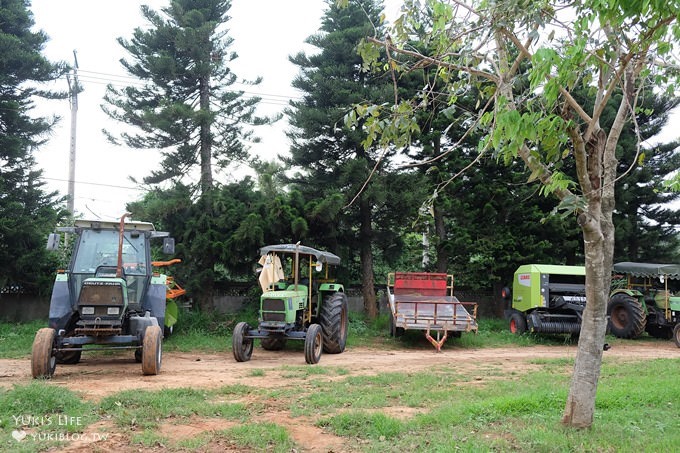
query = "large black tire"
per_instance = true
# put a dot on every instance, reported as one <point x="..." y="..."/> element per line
<point x="152" y="350"/>
<point x="313" y="344"/>
<point x="68" y="357"/>
<point x="334" y="323"/>
<point x="241" y="347"/>
<point x="676" y="335"/>
<point x="43" y="361"/>
<point x="518" y="323"/>
<point x="273" y="343"/>
<point x="627" y="318"/>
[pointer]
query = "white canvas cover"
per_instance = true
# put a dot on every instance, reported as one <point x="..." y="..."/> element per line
<point x="272" y="271"/>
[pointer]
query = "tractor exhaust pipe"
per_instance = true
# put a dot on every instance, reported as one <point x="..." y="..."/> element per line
<point x="119" y="267"/>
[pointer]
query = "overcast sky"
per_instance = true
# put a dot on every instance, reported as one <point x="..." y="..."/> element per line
<point x="265" y="33"/>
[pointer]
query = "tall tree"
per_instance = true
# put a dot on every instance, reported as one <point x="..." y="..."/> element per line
<point x="28" y="211"/>
<point x="187" y="106"/>
<point x="611" y="47"/>
<point x="333" y="163"/>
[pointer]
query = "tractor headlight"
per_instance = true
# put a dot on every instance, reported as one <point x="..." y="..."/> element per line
<point x="87" y="310"/>
<point x="113" y="311"/>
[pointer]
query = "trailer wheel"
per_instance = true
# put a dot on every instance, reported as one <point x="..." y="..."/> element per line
<point x="313" y="344"/>
<point x="334" y="322"/>
<point x="241" y="347"/>
<point x="152" y="350"/>
<point x="273" y="343"/>
<point x="43" y="360"/>
<point x="626" y="316"/>
<point x="518" y="323"/>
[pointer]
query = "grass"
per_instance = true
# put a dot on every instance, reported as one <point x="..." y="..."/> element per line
<point x="441" y="409"/>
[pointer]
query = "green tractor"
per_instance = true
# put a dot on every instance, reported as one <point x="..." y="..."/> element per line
<point x="641" y="300"/>
<point x="109" y="297"/>
<point x="296" y="306"/>
<point x="546" y="298"/>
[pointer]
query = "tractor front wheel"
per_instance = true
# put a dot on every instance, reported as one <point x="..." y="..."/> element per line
<point x="152" y="350"/>
<point x="313" y="344"/>
<point x="518" y="323"/>
<point x="626" y="316"/>
<point x="241" y="347"/>
<point x="676" y="335"/>
<point x="334" y="323"/>
<point x="43" y="360"/>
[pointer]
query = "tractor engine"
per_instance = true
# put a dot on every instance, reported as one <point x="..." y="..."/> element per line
<point x="102" y="305"/>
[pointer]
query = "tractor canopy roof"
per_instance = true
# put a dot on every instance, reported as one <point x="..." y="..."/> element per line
<point x="649" y="270"/>
<point x="321" y="256"/>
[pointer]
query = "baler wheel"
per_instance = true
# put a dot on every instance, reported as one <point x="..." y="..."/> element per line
<point x="152" y="350"/>
<point x="242" y="347"/>
<point x="313" y="344"/>
<point x="43" y="361"/>
<point x="518" y="323"/>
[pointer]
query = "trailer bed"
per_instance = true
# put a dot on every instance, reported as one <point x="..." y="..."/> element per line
<point x="425" y="301"/>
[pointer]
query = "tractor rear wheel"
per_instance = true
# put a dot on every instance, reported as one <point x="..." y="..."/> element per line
<point x="43" y="361"/>
<point x="152" y="350"/>
<point x="626" y="316"/>
<point x="241" y="347"/>
<point x="313" y="344"/>
<point x="334" y="322"/>
<point x="676" y="335"/>
<point x="273" y="343"/>
<point x="518" y="323"/>
<point x="69" y="357"/>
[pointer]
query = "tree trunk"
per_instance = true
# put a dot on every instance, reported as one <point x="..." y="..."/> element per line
<point x="206" y="138"/>
<point x="440" y="233"/>
<point x="598" y="236"/>
<point x="366" y="255"/>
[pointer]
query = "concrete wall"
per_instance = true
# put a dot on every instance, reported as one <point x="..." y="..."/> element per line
<point x="23" y="307"/>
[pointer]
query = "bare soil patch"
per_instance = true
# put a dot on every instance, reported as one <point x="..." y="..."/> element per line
<point x="97" y="377"/>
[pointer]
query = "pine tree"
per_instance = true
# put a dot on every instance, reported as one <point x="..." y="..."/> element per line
<point x="333" y="165"/>
<point x="187" y="106"/>
<point x="28" y="212"/>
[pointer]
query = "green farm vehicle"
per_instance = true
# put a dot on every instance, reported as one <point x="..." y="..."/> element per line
<point x="642" y="299"/>
<point x="296" y="305"/>
<point x="109" y="297"/>
<point x="546" y="298"/>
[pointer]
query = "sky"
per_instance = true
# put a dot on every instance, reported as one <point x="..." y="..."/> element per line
<point x="265" y="33"/>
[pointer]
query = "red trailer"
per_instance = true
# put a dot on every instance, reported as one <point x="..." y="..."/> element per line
<point x="425" y="301"/>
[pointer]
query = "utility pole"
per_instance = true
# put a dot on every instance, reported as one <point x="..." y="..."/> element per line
<point x="73" y="89"/>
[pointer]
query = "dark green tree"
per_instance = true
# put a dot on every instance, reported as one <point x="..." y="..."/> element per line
<point x="333" y="164"/>
<point x="187" y="107"/>
<point x="646" y="223"/>
<point x="27" y="212"/>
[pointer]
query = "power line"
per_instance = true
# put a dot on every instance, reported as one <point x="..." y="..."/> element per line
<point x="97" y="184"/>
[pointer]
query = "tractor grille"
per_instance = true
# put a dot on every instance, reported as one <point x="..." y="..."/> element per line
<point x="273" y="310"/>
<point x="101" y="304"/>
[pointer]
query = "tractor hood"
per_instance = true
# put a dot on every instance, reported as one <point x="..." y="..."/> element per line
<point x="649" y="270"/>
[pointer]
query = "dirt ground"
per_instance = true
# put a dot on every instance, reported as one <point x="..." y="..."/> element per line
<point x="98" y="377"/>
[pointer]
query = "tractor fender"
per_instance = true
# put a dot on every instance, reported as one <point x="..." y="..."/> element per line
<point x="154" y="301"/>
<point x="61" y="304"/>
<point x="331" y="288"/>
<point x="629" y="292"/>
